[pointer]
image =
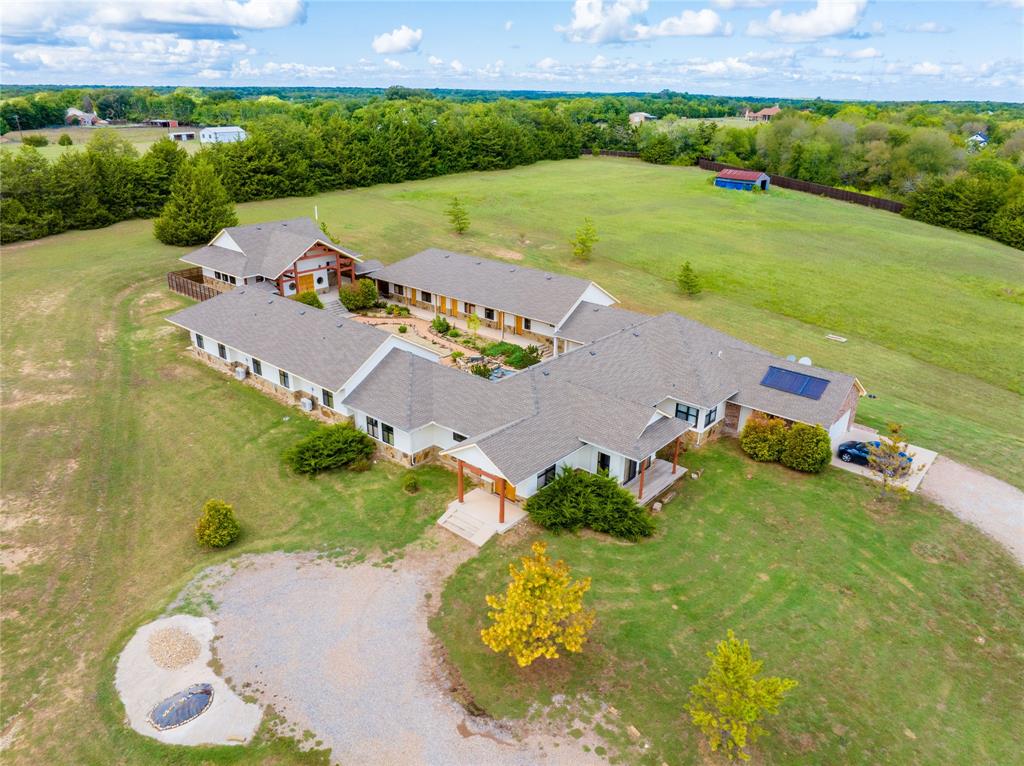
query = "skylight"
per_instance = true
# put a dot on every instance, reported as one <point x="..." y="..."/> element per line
<point x="794" y="383"/>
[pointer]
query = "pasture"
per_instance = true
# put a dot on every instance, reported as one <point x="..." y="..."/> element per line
<point x="113" y="438"/>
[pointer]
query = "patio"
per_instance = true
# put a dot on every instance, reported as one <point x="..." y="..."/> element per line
<point x="475" y="518"/>
<point x="656" y="479"/>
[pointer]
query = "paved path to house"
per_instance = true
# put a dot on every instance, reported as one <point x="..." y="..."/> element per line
<point x="345" y="653"/>
<point x="992" y="505"/>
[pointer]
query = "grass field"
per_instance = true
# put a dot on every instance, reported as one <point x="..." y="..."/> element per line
<point x="112" y="438"/>
<point x="142" y="138"/>
<point x="875" y="611"/>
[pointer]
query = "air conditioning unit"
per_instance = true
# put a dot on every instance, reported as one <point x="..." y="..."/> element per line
<point x="306" y="404"/>
<point x="241" y="372"/>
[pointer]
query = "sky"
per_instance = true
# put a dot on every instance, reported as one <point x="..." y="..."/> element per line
<point x="841" y="49"/>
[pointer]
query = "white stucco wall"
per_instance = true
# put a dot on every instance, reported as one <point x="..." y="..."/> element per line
<point x="403" y="440"/>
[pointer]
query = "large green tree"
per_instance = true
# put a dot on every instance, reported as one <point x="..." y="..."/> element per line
<point x="198" y="208"/>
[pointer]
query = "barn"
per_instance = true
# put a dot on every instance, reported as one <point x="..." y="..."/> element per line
<point x="744" y="180"/>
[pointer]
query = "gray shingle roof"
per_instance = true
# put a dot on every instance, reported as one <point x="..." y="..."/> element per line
<point x="591" y="321"/>
<point x="540" y="295"/>
<point x="368" y="266"/>
<point x="267" y="248"/>
<point x="305" y="341"/>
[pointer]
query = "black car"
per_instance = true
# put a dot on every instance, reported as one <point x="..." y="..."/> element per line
<point x="853" y="452"/>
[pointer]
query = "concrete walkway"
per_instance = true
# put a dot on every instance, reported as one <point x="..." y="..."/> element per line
<point x="992" y="505"/>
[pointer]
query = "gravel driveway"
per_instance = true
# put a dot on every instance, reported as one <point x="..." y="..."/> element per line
<point x="992" y="505"/>
<point x="345" y="652"/>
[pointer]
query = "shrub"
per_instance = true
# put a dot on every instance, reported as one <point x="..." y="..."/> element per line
<point x="217" y="526"/>
<point x="763" y="438"/>
<point x="521" y="358"/>
<point x="687" y="280"/>
<point x="577" y="499"/>
<point x="361" y="465"/>
<point x="457" y="216"/>
<point x="35" y="140"/>
<point x="403" y="329"/>
<point x="65" y="140"/>
<point x="499" y="348"/>
<point x="584" y="241"/>
<point x="481" y="369"/>
<point x="361" y="296"/>
<point x="454" y="333"/>
<point x="457" y="355"/>
<point x="310" y="298"/>
<point x="808" y="448"/>
<point x="441" y="325"/>
<point x="329" y="447"/>
<point x="411" y="484"/>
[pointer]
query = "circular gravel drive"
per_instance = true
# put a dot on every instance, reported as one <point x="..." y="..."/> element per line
<point x="345" y="652"/>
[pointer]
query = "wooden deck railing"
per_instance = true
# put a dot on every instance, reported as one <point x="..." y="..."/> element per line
<point x="189" y="282"/>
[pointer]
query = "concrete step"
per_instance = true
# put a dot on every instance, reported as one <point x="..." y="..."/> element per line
<point x="465" y="526"/>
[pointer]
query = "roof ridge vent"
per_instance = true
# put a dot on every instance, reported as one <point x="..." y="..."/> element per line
<point x="547" y="276"/>
<point x="302" y="311"/>
<point x="340" y="324"/>
<point x="593" y="353"/>
<point x="545" y="373"/>
<point x="270" y="301"/>
<point x="447" y="255"/>
<point x="636" y="333"/>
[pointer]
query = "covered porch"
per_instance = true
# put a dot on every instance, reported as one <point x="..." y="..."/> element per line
<point x="475" y="516"/>
<point x="654" y="479"/>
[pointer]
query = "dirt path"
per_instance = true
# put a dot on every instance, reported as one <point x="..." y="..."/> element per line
<point x="345" y="652"/>
<point x="990" y="504"/>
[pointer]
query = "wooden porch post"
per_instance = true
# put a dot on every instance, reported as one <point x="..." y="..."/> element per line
<point x="501" y="503"/>
<point x="640" y="494"/>
<point x="675" y="455"/>
<point x="461" y="497"/>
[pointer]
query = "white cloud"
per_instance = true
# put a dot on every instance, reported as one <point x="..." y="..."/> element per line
<point x="435" y="61"/>
<point x="728" y="5"/>
<point x="457" y="66"/>
<point x="928" y="28"/>
<point x="508" y="26"/>
<point x="828" y="18"/>
<point x="728" y="66"/>
<point x="392" y="64"/>
<point x="401" y="40"/>
<point x="245" y="69"/>
<point x="255" y="14"/>
<point x="866" y="53"/>
<point x="615" y="21"/>
<point x="857" y="55"/>
<point x="547" y="63"/>
<point x="926" y="68"/>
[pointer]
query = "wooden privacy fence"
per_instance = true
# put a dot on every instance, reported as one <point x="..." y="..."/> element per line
<point x="796" y="184"/>
<point x="611" y="153"/>
<point x="189" y="282"/>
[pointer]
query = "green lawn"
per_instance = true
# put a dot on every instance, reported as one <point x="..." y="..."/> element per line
<point x="113" y="438"/>
<point x="876" y="611"/>
<point x="141" y="137"/>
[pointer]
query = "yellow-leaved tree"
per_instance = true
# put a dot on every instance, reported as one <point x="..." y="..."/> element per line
<point x="541" y="611"/>
<point x="728" y="702"/>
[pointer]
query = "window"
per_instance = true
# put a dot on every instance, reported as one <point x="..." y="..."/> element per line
<point x="327" y="398"/>
<point x="283" y="377"/>
<point x="604" y="462"/>
<point x="489" y="314"/>
<point x="526" y="323"/>
<point x="372" y="427"/>
<point x="545" y="477"/>
<point x="468" y="308"/>
<point x="426" y="297"/>
<point x="687" y="413"/>
<point x="396" y="289"/>
<point x="199" y="341"/>
<point x="232" y="280"/>
<point x="218" y="275"/>
<point x="458" y="437"/>
<point x="257" y="366"/>
<point x="319" y="280"/>
<point x="387" y="434"/>
<point x="222" y="351"/>
<point x="711" y="416"/>
<point x="259" y="278"/>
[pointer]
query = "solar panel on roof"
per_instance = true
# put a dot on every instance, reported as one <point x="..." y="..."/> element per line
<point x="794" y="383"/>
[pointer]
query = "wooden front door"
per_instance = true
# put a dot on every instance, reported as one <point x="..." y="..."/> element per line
<point x="305" y="283"/>
<point x="519" y="325"/>
<point x="442" y="304"/>
<point x="453" y="309"/>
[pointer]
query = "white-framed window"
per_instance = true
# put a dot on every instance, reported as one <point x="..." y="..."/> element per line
<point x="372" y="427"/>
<point x="711" y="417"/>
<point x="546" y="476"/>
<point x="687" y="413"/>
<point x="282" y="376"/>
<point x="327" y="398"/>
<point x="199" y="341"/>
<point x="222" y="351"/>
<point x="526" y="323"/>
<point x="257" y="366"/>
<point x="489" y="315"/>
<point x="387" y="434"/>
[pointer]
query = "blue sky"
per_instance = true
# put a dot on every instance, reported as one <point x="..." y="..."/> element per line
<point x="854" y="49"/>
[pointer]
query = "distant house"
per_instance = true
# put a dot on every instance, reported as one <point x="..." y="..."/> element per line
<point x="182" y="135"/>
<point x="765" y="115"/>
<point x="637" y="118"/>
<point x="977" y="141"/>
<point x="161" y="123"/>
<point x="77" y="117"/>
<point x="744" y="180"/>
<point x="223" y="135"/>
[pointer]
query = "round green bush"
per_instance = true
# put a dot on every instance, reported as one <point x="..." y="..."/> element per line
<point x="577" y="499"/>
<point x="403" y="329"/>
<point x="65" y="140"/>
<point x="807" y="449"/>
<point x="329" y="447"/>
<point x="763" y="438"/>
<point x="35" y="140"/>
<point x="310" y="298"/>
<point x="217" y="526"/>
<point x="411" y="484"/>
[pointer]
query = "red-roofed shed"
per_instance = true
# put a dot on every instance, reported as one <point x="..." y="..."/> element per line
<point x="744" y="180"/>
